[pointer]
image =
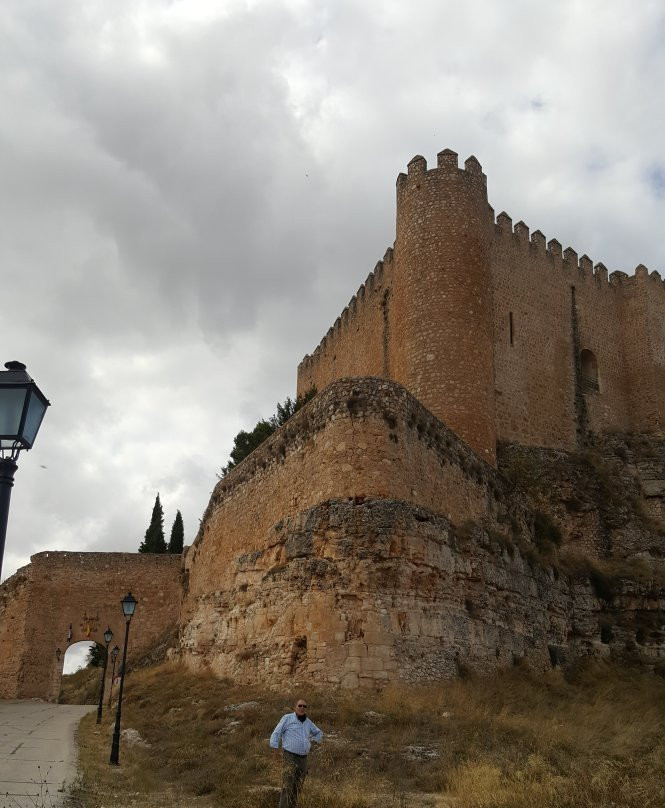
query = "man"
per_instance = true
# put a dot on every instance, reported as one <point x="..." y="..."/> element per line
<point x="294" y="731"/>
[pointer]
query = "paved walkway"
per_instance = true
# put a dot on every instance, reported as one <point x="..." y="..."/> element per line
<point x="37" y="753"/>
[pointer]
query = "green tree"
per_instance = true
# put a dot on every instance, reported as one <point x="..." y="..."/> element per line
<point x="154" y="536"/>
<point x="244" y="442"/>
<point x="96" y="654"/>
<point x="177" y="535"/>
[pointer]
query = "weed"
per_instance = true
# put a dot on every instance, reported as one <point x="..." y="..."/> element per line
<point x="546" y="532"/>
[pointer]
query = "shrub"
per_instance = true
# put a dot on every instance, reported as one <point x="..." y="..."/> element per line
<point x="546" y="532"/>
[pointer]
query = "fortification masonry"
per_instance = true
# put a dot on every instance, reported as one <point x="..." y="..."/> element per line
<point x="480" y="480"/>
<point x="502" y="335"/>
<point x="364" y="542"/>
<point x="62" y="598"/>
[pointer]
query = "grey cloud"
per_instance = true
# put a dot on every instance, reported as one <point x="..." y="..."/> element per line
<point x="188" y="203"/>
<point x="657" y="180"/>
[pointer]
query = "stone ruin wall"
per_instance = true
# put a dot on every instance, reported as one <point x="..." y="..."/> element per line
<point x="537" y="395"/>
<point x="58" y="589"/>
<point x="247" y="598"/>
<point x="14" y="616"/>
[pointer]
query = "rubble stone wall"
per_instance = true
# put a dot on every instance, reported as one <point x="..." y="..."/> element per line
<point x="358" y="438"/>
<point x="364" y="542"/>
<point x="379" y="590"/>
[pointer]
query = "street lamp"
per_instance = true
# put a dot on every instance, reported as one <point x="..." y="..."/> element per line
<point x="108" y="636"/>
<point x="22" y="408"/>
<point x="114" y="655"/>
<point x="128" y="607"/>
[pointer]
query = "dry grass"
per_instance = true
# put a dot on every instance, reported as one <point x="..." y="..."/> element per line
<point x="517" y="740"/>
<point x="81" y="687"/>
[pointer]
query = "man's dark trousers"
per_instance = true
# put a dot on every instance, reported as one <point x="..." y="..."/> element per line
<point x="295" y="769"/>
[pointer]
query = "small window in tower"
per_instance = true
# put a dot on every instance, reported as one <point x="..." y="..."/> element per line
<point x="589" y="366"/>
<point x="511" y="327"/>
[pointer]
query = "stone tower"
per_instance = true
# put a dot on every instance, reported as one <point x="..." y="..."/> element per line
<point x="441" y="323"/>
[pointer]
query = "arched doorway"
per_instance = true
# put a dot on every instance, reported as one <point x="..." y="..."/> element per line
<point x="61" y="599"/>
<point x="82" y="668"/>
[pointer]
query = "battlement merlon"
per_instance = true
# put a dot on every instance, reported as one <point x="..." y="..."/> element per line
<point x="652" y="281"/>
<point x="434" y="206"/>
<point x="353" y="312"/>
<point x="447" y="165"/>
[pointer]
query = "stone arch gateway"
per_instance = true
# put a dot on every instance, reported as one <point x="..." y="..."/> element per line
<point x="62" y="598"/>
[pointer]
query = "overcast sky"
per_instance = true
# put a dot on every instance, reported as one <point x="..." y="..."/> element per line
<point x="192" y="190"/>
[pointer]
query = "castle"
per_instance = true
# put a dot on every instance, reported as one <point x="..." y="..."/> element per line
<point x="393" y="527"/>
<point x="501" y="336"/>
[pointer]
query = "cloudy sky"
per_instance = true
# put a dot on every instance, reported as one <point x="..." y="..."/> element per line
<point x="191" y="191"/>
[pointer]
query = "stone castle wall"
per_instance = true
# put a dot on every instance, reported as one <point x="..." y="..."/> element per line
<point x="644" y="335"/>
<point x="486" y="325"/>
<point x="375" y="590"/>
<point x="358" y="344"/>
<point x="82" y="590"/>
<point x="371" y="537"/>
<point x="358" y="440"/>
<point x="409" y="559"/>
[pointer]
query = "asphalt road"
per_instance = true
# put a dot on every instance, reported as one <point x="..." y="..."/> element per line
<point x="37" y="752"/>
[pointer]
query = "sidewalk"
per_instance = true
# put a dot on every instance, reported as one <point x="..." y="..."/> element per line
<point x="37" y="752"/>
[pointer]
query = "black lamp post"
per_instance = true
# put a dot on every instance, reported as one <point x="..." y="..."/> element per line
<point x="22" y="408"/>
<point x="114" y="655"/>
<point x="108" y="636"/>
<point x="128" y="607"/>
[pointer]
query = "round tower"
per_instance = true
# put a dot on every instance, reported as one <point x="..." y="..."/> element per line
<point x="441" y="323"/>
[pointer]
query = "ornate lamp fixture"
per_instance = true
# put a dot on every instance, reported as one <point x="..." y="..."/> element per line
<point x="22" y="409"/>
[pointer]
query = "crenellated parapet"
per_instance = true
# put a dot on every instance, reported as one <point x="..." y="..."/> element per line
<point x="551" y="255"/>
<point x="447" y="169"/>
<point x="358" y="322"/>
<point x="481" y="318"/>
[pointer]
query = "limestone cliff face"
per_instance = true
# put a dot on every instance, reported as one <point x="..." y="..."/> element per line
<point x="412" y="559"/>
<point x="374" y="590"/>
<point x="608" y="498"/>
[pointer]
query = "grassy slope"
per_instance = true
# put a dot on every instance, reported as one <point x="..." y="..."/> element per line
<point x="81" y="687"/>
<point x="513" y="741"/>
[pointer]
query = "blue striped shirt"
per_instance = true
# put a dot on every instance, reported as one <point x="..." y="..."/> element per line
<point x="295" y="734"/>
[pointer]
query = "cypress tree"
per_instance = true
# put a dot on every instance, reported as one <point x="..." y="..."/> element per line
<point x="154" y="535"/>
<point x="177" y="535"/>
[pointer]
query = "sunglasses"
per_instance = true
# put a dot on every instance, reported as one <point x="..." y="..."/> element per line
<point x="304" y="706"/>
